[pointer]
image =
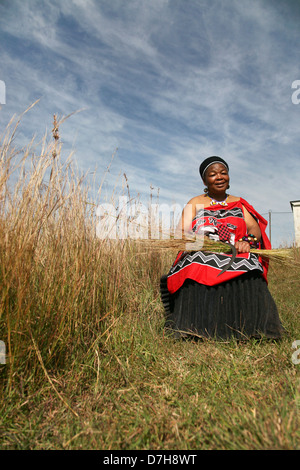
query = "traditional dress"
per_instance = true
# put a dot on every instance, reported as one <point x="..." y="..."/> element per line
<point x="236" y="303"/>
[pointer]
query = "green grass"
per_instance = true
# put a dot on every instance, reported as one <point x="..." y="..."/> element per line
<point x="88" y="364"/>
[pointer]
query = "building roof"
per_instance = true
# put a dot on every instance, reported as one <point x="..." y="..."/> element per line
<point x="295" y="203"/>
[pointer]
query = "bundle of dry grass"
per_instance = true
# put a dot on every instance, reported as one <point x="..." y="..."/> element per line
<point x="196" y="243"/>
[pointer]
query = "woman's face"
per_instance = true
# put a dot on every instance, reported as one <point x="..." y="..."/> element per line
<point x="216" y="178"/>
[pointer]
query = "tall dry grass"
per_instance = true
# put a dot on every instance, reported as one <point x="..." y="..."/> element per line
<point x="61" y="286"/>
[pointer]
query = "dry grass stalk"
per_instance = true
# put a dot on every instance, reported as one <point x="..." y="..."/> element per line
<point x="55" y="133"/>
<point x="194" y="243"/>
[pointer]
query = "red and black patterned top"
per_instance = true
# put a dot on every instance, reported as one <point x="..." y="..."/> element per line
<point x="225" y="223"/>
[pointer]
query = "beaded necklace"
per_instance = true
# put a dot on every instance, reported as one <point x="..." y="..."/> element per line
<point x="214" y="202"/>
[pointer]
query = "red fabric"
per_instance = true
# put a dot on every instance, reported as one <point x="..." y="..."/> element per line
<point x="208" y="274"/>
<point x="266" y="244"/>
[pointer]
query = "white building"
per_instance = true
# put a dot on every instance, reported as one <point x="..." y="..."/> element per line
<point x="296" y="213"/>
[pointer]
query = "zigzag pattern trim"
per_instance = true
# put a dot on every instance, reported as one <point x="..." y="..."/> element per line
<point x="218" y="261"/>
<point x="221" y="213"/>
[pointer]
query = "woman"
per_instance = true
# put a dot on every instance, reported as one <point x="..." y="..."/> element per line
<point x="200" y="299"/>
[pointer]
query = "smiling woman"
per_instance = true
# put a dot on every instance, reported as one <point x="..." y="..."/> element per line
<point x="209" y="294"/>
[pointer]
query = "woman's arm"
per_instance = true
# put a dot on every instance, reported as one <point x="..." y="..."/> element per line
<point x="252" y="225"/>
<point x="253" y="228"/>
<point x="185" y="222"/>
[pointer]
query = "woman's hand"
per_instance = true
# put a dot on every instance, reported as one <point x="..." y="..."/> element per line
<point x="242" y="247"/>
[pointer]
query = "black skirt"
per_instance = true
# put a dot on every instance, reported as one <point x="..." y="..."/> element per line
<point x="241" y="308"/>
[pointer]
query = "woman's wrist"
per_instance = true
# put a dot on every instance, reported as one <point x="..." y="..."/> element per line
<point x="251" y="239"/>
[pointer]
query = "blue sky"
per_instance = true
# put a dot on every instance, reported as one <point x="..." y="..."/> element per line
<point x="167" y="83"/>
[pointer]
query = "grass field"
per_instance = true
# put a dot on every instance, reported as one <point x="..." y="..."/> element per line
<point x="87" y="363"/>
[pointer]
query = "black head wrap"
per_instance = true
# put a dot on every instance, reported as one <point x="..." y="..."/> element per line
<point x="209" y="161"/>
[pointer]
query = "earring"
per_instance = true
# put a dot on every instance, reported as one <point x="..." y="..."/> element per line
<point x="228" y="186"/>
<point x="206" y="190"/>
